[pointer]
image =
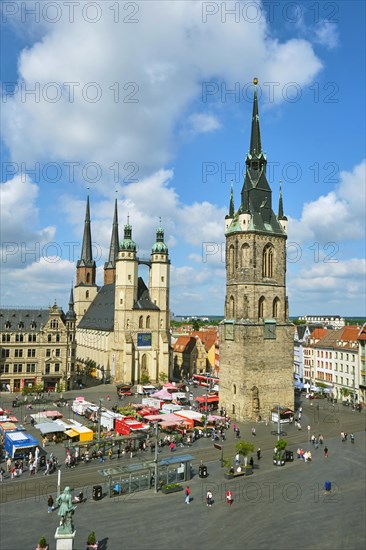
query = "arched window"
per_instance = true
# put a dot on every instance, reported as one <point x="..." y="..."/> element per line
<point x="268" y="261"/>
<point x="261" y="307"/>
<point x="234" y="389"/>
<point x="231" y="308"/>
<point x="233" y="409"/>
<point x="144" y="365"/>
<point x="276" y="307"/>
<point x="87" y="294"/>
<point x="49" y="338"/>
<point x="88" y="278"/>
<point x="245" y="255"/>
<point x="141" y="322"/>
<point x="231" y="259"/>
<point x="148" y="321"/>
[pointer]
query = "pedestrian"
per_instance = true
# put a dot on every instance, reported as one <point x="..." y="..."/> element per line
<point x="237" y="459"/>
<point x="47" y="472"/>
<point x="342" y="437"/>
<point x="234" y="428"/>
<point x="110" y="453"/>
<point x="172" y="446"/>
<point x="50" y="504"/>
<point x="258" y="453"/>
<point x="118" y="453"/>
<point x="2" y="472"/>
<point x="345" y="436"/>
<point x="187" y="493"/>
<point x="251" y="462"/>
<point x="8" y="464"/>
<point x="209" y="498"/>
<point x="237" y="433"/>
<point x="253" y="431"/>
<point x="229" y="497"/>
<point x="325" y="452"/>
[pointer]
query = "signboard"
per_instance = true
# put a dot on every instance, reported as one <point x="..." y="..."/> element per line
<point x="144" y="340"/>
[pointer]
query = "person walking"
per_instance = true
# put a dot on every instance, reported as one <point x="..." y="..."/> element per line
<point x="325" y="452"/>
<point x="187" y="493"/>
<point x="258" y="453"/>
<point x="229" y="497"/>
<point x="209" y="498"/>
<point x="253" y="431"/>
<point x="8" y="464"/>
<point x="50" y="504"/>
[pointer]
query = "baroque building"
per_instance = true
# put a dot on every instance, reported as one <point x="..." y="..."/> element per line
<point x="256" y="336"/>
<point x="123" y="328"/>
<point x="37" y="347"/>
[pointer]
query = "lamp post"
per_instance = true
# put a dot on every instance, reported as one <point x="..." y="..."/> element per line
<point x="99" y="417"/>
<point x="156" y="458"/>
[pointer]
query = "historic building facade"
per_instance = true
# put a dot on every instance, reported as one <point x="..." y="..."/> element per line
<point x="37" y="347"/>
<point x="123" y="328"/>
<point x="256" y="336"/>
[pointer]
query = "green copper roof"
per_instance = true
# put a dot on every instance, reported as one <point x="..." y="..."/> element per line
<point x="160" y="245"/>
<point x="128" y="244"/>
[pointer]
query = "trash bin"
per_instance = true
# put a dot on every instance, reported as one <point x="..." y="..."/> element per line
<point x="97" y="492"/>
<point x="202" y="471"/>
<point x="289" y="457"/>
<point x="328" y="485"/>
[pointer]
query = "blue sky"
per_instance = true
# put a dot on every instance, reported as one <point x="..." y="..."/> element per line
<point x="132" y="99"/>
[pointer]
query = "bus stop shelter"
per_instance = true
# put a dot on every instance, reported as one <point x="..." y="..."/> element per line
<point x="121" y="480"/>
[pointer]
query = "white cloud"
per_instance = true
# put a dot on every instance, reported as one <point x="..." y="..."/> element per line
<point x="337" y="216"/>
<point x="202" y="123"/>
<point x="326" y="34"/>
<point x="160" y="62"/>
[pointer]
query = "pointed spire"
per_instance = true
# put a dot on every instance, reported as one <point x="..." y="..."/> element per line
<point x="281" y="215"/>
<point x="255" y="138"/>
<point x="231" y="207"/>
<point x="113" y="248"/>
<point x="86" y="257"/>
<point x="159" y="245"/>
<point x="71" y="315"/>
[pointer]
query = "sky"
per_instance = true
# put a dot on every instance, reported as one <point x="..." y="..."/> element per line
<point x="150" y="103"/>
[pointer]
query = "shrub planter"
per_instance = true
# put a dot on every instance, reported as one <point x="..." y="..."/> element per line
<point x="171" y="489"/>
<point x="227" y="475"/>
<point x="248" y="470"/>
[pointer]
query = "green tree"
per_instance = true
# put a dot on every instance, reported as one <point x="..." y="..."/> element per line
<point x="244" y="448"/>
<point x="196" y="325"/>
<point x="163" y="377"/>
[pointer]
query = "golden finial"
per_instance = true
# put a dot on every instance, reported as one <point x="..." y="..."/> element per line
<point x="255" y="81"/>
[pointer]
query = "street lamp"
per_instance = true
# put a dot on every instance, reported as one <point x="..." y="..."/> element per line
<point x="156" y="457"/>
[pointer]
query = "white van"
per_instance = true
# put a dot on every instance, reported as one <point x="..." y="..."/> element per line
<point x="145" y="390"/>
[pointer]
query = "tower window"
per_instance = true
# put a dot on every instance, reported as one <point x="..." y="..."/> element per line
<point x="261" y="307"/>
<point x="268" y="261"/>
<point x="129" y="278"/>
<point x="244" y="256"/>
<point x="231" y="308"/>
<point x="87" y="294"/>
<point x="231" y="261"/>
<point x="234" y="389"/>
<point x="88" y="277"/>
<point x="141" y="322"/>
<point x="275" y="308"/>
<point x="148" y="321"/>
<point x="162" y="279"/>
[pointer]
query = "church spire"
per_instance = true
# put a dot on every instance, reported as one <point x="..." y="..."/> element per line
<point x="71" y="315"/>
<point x="86" y="258"/>
<point x="86" y="266"/>
<point x="110" y="266"/>
<point x="280" y="204"/>
<point x="255" y="138"/>
<point x="231" y="207"/>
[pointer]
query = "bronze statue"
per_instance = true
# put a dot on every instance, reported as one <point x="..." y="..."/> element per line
<point x="66" y="511"/>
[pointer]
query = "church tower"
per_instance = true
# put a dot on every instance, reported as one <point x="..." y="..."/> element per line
<point x="110" y="266"/>
<point x="256" y="337"/>
<point x="159" y="283"/>
<point x="85" y="289"/>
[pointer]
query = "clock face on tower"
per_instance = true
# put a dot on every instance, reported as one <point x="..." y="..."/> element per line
<point x="269" y="330"/>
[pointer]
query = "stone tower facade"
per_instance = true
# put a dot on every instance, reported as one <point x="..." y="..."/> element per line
<point x="256" y="337"/>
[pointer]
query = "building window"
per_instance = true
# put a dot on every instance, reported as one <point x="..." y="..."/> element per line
<point x="4" y="369"/>
<point x="148" y="321"/>
<point x="18" y="353"/>
<point x="7" y="324"/>
<point x="5" y="352"/>
<point x="48" y="352"/>
<point x="6" y="337"/>
<point x="88" y="278"/>
<point x="58" y="352"/>
<point x="19" y="337"/>
<point x="32" y="338"/>
<point x="49" y="337"/>
<point x="261" y="307"/>
<point x="162" y="279"/>
<point x="32" y="352"/>
<point x="231" y="259"/>
<point x="87" y="294"/>
<point x="31" y="367"/>
<point x="57" y="367"/>
<point x="231" y="308"/>
<point x="57" y="337"/>
<point x="141" y="322"/>
<point x="245" y="255"/>
<point x="47" y="368"/>
<point x="54" y="324"/>
<point x="234" y="389"/>
<point x="18" y="368"/>
<point x="275" y="308"/>
<point x="268" y="261"/>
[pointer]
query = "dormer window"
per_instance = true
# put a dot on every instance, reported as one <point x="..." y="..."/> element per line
<point x="8" y="324"/>
<point x="20" y="324"/>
